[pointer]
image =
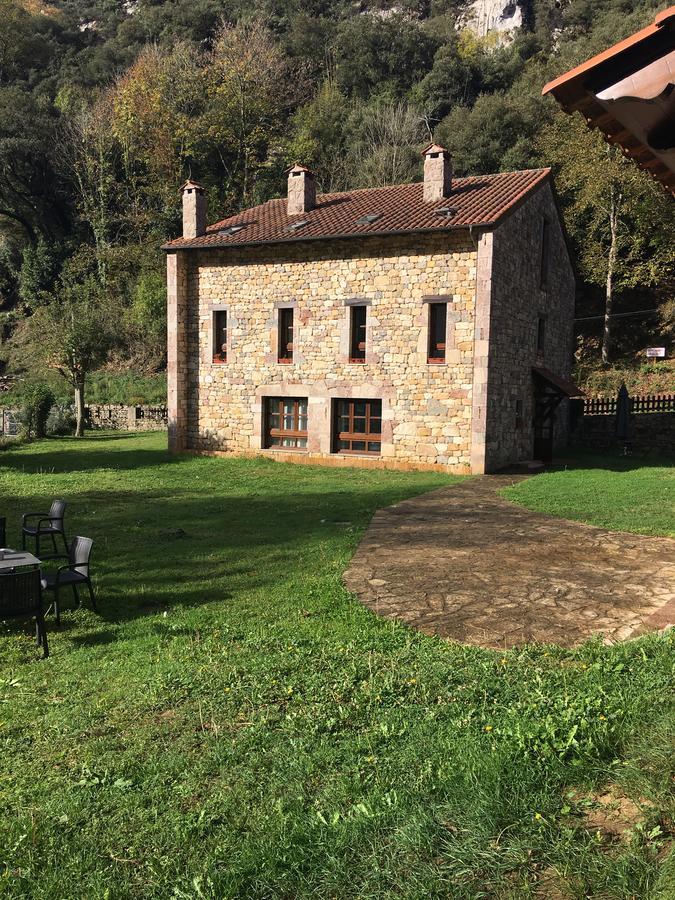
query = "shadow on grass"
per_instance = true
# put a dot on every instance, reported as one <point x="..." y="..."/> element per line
<point x="574" y="459"/>
<point x="153" y="552"/>
<point x="85" y="456"/>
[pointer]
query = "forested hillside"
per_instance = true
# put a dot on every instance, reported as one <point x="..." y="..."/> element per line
<point x="105" y="107"/>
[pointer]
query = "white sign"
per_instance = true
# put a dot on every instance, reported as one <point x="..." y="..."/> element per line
<point x="656" y="352"/>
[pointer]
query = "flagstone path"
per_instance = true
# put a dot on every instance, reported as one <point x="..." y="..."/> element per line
<point x="464" y="563"/>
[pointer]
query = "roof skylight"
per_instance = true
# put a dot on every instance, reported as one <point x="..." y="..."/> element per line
<point x="369" y="217"/>
<point x="295" y="226"/>
<point x="232" y="229"/>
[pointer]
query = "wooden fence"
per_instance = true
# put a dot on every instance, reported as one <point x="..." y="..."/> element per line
<point x="606" y="406"/>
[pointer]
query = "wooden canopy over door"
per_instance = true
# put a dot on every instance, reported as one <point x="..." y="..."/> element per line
<point x="549" y="391"/>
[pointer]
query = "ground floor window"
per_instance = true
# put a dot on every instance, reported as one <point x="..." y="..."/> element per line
<point x="286" y="422"/>
<point x="357" y="426"/>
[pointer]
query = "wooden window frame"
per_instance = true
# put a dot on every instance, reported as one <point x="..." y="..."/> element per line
<point x="285" y="329"/>
<point x="368" y="437"/>
<point x="281" y="433"/>
<point x="357" y="348"/>
<point x="219" y="357"/>
<point x="436" y="349"/>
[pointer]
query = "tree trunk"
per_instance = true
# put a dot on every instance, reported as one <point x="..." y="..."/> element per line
<point x="79" y="407"/>
<point x="615" y="202"/>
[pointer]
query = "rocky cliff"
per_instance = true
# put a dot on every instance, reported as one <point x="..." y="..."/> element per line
<point x="485" y="16"/>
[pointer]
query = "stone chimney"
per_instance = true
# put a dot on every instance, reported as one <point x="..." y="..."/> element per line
<point x="301" y="190"/>
<point x="194" y="210"/>
<point x="437" y="173"/>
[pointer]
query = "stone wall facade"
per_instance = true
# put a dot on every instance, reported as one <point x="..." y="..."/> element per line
<point x="426" y="408"/>
<point x="126" y="418"/>
<point x="518" y="298"/>
<point x="648" y="432"/>
<point x="433" y="415"/>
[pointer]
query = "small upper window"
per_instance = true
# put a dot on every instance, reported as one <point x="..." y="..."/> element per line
<point x="545" y="253"/>
<point x="220" y="336"/>
<point x="438" y="317"/>
<point x="357" y="334"/>
<point x="286" y="335"/>
<point x="541" y="334"/>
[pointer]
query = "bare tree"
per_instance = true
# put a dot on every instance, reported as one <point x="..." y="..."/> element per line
<point x="87" y="153"/>
<point x="388" y="151"/>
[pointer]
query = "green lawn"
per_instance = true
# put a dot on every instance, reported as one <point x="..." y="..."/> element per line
<point x="612" y="491"/>
<point x="234" y="724"/>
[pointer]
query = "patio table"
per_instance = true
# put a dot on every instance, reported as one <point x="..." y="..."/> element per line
<point x="15" y="559"/>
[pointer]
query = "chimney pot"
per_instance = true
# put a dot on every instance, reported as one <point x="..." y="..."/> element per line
<point x="194" y="209"/>
<point x="301" y="190"/>
<point x="437" y="173"/>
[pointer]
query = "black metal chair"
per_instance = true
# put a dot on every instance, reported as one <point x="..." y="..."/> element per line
<point x="3" y="531"/>
<point x="21" y="598"/>
<point x="74" y="574"/>
<point x="48" y="524"/>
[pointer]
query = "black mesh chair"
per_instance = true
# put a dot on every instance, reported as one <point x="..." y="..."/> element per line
<point x="73" y="575"/>
<point x="21" y="598"/>
<point x="51" y="524"/>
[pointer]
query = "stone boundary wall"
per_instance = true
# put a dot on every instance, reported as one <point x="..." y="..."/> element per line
<point x="126" y="418"/>
<point x="647" y="432"/>
<point x="113" y="416"/>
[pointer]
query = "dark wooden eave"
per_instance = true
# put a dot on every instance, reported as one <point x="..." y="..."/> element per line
<point x="628" y="93"/>
<point x="561" y="386"/>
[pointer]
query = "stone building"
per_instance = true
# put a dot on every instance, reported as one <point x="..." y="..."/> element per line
<point x="425" y="325"/>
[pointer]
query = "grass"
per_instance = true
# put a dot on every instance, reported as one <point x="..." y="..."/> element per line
<point x="612" y="491"/>
<point x="234" y="725"/>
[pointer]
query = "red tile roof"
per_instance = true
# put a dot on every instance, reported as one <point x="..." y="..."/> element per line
<point x="479" y="201"/>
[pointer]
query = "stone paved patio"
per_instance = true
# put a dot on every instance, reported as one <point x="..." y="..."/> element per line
<point x="464" y="563"/>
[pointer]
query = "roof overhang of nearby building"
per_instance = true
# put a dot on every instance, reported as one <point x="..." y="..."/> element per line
<point x="628" y="93"/>
<point x="560" y="386"/>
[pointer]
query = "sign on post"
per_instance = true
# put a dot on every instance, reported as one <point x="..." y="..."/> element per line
<point x="656" y="352"/>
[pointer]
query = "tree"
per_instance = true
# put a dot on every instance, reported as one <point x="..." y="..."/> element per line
<point x="73" y="334"/>
<point x="320" y="136"/>
<point x="252" y="89"/>
<point x="386" y="141"/>
<point x="382" y="57"/>
<point x="39" y="267"/>
<point x="494" y="135"/>
<point x="620" y="220"/>
<point x="89" y="157"/>
<point x="31" y="193"/>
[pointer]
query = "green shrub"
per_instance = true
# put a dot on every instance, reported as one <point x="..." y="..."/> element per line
<point x="37" y="402"/>
<point x="8" y="442"/>
<point x="61" y="420"/>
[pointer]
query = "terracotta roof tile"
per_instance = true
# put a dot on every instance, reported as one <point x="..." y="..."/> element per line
<point x="479" y="201"/>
